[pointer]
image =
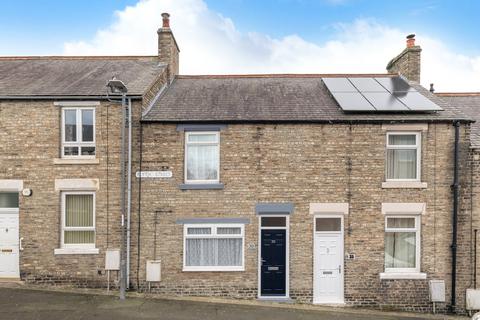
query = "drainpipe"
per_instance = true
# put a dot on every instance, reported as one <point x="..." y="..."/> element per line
<point x="129" y="190"/>
<point x="123" y="270"/>
<point x="455" y="192"/>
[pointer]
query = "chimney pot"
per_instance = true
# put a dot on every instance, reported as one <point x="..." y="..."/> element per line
<point x="166" y="20"/>
<point x="432" y="89"/>
<point x="410" y="40"/>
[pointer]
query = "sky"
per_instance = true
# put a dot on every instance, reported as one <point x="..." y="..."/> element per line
<point x="258" y="36"/>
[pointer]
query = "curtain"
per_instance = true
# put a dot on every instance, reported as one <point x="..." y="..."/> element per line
<point x="214" y="252"/>
<point x="402" y="139"/>
<point x="400" y="249"/>
<point x="79" y="213"/>
<point x="202" y="162"/>
<point x="401" y="163"/>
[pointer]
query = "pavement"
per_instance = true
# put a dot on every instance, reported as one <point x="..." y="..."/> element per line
<point x="22" y="302"/>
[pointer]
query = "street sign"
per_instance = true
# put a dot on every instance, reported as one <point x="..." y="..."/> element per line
<point x="154" y="174"/>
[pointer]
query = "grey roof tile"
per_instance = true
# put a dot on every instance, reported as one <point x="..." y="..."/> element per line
<point x="469" y="104"/>
<point x="269" y="98"/>
<point x="74" y="76"/>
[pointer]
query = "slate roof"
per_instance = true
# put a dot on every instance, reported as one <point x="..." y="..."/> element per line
<point x="469" y="103"/>
<point x="74" y="76"/>
<point x="258" y="98"/>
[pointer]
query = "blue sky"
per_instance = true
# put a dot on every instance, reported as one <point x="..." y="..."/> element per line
<point x="250" y="30"/>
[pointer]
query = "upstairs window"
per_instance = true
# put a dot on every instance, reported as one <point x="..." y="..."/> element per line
<point x="78" y="132"/>
<point x="403" y="156"/>
<point x="202" y="157"/>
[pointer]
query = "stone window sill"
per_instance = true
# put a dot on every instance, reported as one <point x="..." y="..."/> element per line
<point x="75" y="161"/>
<point x="403" y="275"/>
<point x="201" y="186"/>
<point x="404" y="185"/>
<point x="76" y="251"/>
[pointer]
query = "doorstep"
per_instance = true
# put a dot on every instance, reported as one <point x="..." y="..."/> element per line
<point x="276" y="299"/>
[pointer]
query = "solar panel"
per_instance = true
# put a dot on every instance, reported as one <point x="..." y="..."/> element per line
<point x="395" y="84"/>
<point x="385" y="101"/>
<point x="416" y="101"/>
<point x="353" y="101"/>
<point x="381" y="94"/>
<point x="367" y="85"/>
<point x="339" y="85"/>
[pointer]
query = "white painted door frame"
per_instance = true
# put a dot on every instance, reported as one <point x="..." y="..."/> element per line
<point x="12" y="211"/>
<point x="341" y="233"/>
<point x="287" y="255"/>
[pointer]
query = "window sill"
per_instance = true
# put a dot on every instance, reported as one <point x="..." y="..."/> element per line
<point x="201" y="269"/>
<point x="403" y="275"/>
<point x="201" y="186"/>
<point x="76" y="251"/>
<point x="75" y="161"/>
<point x="404" y="185"/>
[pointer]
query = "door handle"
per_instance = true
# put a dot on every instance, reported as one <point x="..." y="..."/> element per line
<point x="339" y="268"/>
<point x="21" y="246"/>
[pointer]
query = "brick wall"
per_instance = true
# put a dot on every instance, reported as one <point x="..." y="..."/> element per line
<point x="28" y="147"/>
<point x="407" y="63"/>
<point x="302" y="164"/>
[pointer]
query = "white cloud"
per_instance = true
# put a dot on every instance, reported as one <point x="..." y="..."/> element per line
<point x="210" y="44"/>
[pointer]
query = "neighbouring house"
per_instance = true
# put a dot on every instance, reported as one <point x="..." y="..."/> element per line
<point x="312" y="188"/>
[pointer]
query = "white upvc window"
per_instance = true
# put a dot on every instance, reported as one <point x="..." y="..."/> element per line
<point x="78" y="132"/>
<point x="78" y="220"/>
<point x="403" y="156"/>
<point x="213" y="247"/>
<point x="402" y="243"/>
<point x="202" y="157"/>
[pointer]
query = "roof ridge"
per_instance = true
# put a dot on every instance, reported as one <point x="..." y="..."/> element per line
<point x="457" y="94"/>
<point x="286" y="75"/>
<point x="72" y="57"/>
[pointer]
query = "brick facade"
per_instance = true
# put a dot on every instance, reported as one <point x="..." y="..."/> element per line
<point x="301" y="164"/>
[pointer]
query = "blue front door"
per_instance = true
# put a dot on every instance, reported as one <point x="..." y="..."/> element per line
<point x="273" y="263"/>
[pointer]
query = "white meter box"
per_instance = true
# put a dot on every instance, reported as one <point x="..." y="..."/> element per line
<point x="154" y="270"/>
<point x="437" y="290"/>
<point x="112" y="259"/>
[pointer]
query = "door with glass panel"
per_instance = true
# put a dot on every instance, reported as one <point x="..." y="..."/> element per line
<point x="328" y="277"/>
<point x="9" y="235"/>
<point x="273" y="265"/>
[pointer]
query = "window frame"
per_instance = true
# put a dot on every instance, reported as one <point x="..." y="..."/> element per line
<point x="79" y="143"/>
<point x="187" y="143"/>
<point x="65" y="228"/>
<point x="214" y="235"/>
<point x="417" y="147"/>
<point x="417" y="230"/>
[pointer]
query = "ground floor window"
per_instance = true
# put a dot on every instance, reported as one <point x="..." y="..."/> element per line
<point x="78" y="219"/>
<point x="402" y="244"/>
<point x="213" y="247"/>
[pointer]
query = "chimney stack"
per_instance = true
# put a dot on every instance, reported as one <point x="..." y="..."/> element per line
<point x="167" y="47"/>
<point x="407" y="63"/>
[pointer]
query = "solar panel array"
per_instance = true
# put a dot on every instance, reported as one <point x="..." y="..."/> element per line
<point x="387" y="94"/>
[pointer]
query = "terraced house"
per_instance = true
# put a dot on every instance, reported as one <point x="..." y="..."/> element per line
<point x="330" y="189"/>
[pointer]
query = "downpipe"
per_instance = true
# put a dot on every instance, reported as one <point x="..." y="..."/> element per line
<point x="123" y="270"/>
<point x="455" y="192"/>
<point x="129" y="191"/>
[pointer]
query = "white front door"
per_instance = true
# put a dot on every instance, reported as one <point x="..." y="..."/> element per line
<point x="9" y="244"/>
<point x="328" y="260"/>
